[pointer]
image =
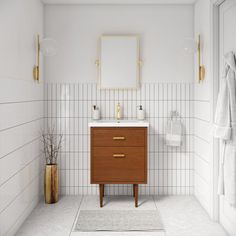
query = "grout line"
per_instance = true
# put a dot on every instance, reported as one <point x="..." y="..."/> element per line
<point x="128" y="184"/>
<point x="82" y="140"/>
<point x="202" y="158"/>
<point x="154" y="202"/>
<point x="116" y="100"/>
<point x="159" y="212"/>
<point x="204" y="140"/>
<point x="152" y="169"/>
<point x="5" y="181"/>
<point x="157" y="99"/>
<point x="22" y="190"/>
<point x="18" y="125"/>
<point x="197" y="118"/>
<point x="150" y="134"/>
<point x="23" y="212"/>
<point x="25" y="144"/>
<point x="110" y="118"/>
<point x="202" y="178"/>
<point x="23" y="101"/>
<point x="198" y="100"/>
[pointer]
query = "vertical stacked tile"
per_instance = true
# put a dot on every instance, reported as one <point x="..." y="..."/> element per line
<point x="170" y="170"/>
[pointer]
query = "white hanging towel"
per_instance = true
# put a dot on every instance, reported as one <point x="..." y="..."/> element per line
<point x="174" y="132"/>
<point x="225" y="129"/>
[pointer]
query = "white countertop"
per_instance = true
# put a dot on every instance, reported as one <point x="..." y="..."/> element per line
<point x="120" y="123"/>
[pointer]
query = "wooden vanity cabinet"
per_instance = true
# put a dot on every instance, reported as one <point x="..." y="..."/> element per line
<point x="119" y="156"/>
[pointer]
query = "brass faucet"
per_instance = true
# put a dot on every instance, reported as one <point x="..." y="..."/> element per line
<point x="118" y="111"/>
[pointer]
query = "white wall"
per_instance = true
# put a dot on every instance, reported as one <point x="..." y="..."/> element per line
<point x="21" y="112"/>
<point x="77" y="28"/>
<point x="71" y="88"/>
<point x="203" y="118"/>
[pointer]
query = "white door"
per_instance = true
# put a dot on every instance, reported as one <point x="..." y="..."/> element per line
<point x="227" y="43"/>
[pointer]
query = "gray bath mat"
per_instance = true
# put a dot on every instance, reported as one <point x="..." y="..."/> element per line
<point x="114" y="220"/>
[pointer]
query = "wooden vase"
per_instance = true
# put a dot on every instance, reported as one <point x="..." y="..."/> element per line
<point x="51" y="184"/>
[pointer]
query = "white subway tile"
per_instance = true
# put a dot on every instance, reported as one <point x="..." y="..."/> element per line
<point x="202" y="110"/>
<point x="16" y="210"/>
<point x="202" y="169"/>
<point x="13" y="114"/>
<point x="14" y="138"/>
<point x="203" y="129"/>
<point x="202" y="149"/>
<point x="168" y="167"/>
<point x="15" y="185"/>
<point x="17" y="160"/>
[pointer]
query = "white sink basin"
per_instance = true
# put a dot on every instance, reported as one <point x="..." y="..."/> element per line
<point x="118" y="123"/>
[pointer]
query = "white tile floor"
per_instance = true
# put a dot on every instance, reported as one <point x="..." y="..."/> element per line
<point x="181" y="216"/>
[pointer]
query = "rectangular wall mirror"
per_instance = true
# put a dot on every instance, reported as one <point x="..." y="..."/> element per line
<point x="119" y="62"/>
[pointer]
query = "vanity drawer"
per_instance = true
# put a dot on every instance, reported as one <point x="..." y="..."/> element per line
<point x="118" y="165"/>
<point x="118" y="137"/>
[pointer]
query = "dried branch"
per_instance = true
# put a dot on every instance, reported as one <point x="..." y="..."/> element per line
<point x="51" y="145"/>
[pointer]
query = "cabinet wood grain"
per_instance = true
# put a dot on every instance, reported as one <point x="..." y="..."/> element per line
<point x="118" y="137"/>
<point x="119" y="156"/>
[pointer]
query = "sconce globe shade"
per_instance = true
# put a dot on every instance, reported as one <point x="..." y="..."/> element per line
<point x="48" y="47"/>
<point x="190" y="45"/>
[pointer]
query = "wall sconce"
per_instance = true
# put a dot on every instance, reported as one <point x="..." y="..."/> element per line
<point x="191" y="46"/>
<point x="48" y="47"/>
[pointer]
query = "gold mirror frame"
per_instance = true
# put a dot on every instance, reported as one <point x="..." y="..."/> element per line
<point x="139" y="62"/>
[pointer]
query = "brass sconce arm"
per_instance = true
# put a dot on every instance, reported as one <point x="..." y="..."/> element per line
<point x="201" y="68"/>
<point x="36" y="67"/>
<point x="48" y="47"/>
<point x="194" y="47"/>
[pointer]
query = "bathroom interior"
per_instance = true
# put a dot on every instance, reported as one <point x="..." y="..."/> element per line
<point x="117" y="117"/>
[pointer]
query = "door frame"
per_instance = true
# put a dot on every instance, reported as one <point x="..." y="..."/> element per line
<point x="214" y="74"/>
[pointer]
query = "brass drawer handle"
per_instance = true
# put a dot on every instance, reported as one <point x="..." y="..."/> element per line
<point x="119" y="138"/>
<point x="119" y="155"/>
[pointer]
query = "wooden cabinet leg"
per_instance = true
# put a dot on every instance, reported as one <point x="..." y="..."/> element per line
<point x="136" y="194"/>
<point x="101" y="193"/>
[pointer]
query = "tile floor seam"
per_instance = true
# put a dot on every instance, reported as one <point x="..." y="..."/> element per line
<point x="183" y="216"/>
<point x="77" y="212"/>
<point x="159" y="214"/>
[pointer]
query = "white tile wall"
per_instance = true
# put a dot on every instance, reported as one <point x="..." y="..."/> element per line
<point x="201" y="191"/>
<point x="21" y="113"/>
<point x="202" y="110"/>
<point x="20" y="160"/>
<point x="68" y="108"/>
<point x="203" y="115"/>
<point x="202" y="152"/>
